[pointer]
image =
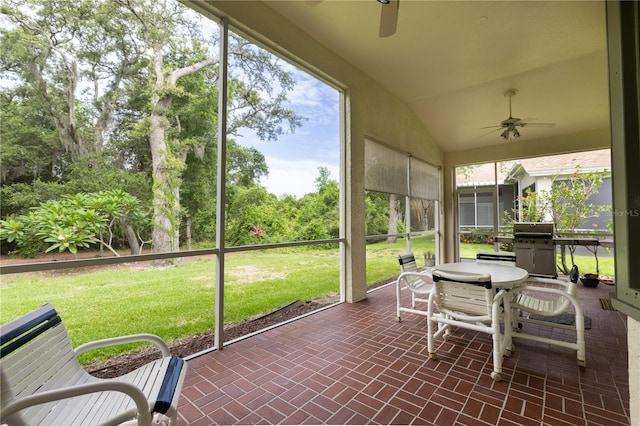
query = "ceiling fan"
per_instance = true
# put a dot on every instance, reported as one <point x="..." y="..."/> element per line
<point x="388" y="17"/>
<point x="511" y="124"/>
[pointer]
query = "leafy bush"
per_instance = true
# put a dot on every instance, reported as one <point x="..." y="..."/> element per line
<point x="475" y="236"/>
<point x="74" y="222"/>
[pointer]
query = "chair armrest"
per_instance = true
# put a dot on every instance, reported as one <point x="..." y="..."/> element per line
<point x="536" y="289"/>
<point x="114" y="341"/>
<point x="419" y="275"/>
<point x="557" y="282"/>
<point x="422" y="274"/>
<point x="502" y="294"/>
<point x="559" y="308"/>
<point x="144" y="412"/>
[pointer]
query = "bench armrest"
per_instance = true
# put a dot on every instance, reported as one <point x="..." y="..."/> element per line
<point x="156" y="340"/>
<point x="144" y="411"/>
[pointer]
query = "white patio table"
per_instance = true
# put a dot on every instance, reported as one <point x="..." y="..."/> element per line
<point x="502" y="276"/>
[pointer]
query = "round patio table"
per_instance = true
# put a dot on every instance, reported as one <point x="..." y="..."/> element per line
<point x="502" y="276"/>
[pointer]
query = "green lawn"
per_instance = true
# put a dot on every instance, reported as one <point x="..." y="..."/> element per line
<point x="586" y="264"/>
<point x="171" y="302"/>
<point x="178" y="301"/>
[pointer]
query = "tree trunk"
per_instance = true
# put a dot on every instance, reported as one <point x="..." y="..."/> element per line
<point x="188" y="234"/>
<point x="132" y="239"/>
<point x="166" y="187"/>
<point x="418" y="217"/>
<point x="163" y="228"/>
<point x="393" y="219"/>
<point x="563" y="258"/>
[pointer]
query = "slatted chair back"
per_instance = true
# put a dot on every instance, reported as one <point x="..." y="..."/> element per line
<point x="505" y="258"/>
<point x="408" y="264"/>
<point x="36" y="354"/>
<point x="44" y="384"/>
<point x="465" y="297"/>
<point x="418" y="282"/>
<point x="468" y="301"/>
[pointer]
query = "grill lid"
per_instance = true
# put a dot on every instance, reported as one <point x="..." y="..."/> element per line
<point x="533" y="229"/>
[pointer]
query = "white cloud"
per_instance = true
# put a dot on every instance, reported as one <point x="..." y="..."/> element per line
<point x="294" y="177"/>
<point x="293" y="160"/>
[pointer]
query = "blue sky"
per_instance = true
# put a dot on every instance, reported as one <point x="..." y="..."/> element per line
<point x="293" y="159"/>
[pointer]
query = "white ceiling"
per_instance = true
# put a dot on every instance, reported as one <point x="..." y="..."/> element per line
<point x="452" y="61"/>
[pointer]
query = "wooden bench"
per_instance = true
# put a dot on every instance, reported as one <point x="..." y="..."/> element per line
<point x="43" y="382"/>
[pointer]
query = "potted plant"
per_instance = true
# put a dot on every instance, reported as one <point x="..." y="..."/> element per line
<point x="429" y="259"/>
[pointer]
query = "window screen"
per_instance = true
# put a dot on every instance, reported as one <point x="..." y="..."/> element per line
<point x="386" y="171"/>
<point x="424" y="180"/>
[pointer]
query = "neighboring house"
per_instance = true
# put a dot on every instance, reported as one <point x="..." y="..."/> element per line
<point x="476" y="185"/>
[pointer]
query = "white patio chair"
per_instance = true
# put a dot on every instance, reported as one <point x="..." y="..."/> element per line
<point x="418" y="282"/>
<point x="469" y="301"/>
<point x="547" y="297"/>
<point x="44" y="384"/>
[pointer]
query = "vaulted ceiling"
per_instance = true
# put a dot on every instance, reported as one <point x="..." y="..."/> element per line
<point x="452" y="61"/>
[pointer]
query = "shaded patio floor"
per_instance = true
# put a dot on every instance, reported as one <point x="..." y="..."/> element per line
<point x="355" y="364"/>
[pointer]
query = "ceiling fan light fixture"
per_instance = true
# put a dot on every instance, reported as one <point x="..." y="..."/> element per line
<point x="516" y="133"/>
<point x="384" y="1"/>
<point x="505" y="134"/>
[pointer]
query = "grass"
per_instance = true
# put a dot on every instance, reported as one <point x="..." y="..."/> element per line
<point x="382" y="260"/>
<point x="178" y="301"/>
<point x="586" y="263"/>
<point x="171" y="302"/>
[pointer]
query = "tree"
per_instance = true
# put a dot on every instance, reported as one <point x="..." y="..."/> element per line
<point x="422" y="214"/>
<point x="319" y="212"/>
<point x="377" y="213"/>
<point x="53" y="46"/>
<point x="29" y="138"/>
<point x="394" y="207"/>
<point x="96" y="68"/>
<point x="253" y="218"/>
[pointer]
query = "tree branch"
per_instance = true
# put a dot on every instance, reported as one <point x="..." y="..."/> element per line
<point x="182" y="72"/>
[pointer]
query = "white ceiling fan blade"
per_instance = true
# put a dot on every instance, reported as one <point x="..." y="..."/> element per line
<point x="533" y="122"/>
<point x="389" y="18"/>
<point x="524" y="124"/>
<point x="495" y="130"/>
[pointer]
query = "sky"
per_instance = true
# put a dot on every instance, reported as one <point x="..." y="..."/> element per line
<point x="293" y="160"/>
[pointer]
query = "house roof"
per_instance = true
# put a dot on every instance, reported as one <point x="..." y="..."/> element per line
<point x="483" y="174"/>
